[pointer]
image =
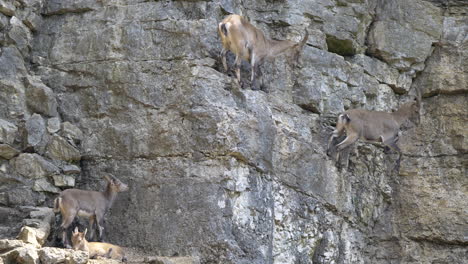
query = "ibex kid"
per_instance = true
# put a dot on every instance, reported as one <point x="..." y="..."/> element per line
<point x="250" y="44"/>
<point x="90" y="204"/>
<point x="96" y="249"/>
<point x="373" y="126"/>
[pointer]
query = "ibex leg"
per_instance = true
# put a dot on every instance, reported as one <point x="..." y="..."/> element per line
<point x="223" y="59"/>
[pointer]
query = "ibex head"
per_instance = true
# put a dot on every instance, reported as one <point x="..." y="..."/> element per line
<point x="78" y="239"/>
<point x="115" y="184"/>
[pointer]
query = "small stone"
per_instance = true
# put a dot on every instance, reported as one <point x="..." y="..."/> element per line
<point x="72" y="132"/>
<point x="8" y="152"/>
<point x="53" y="125"/>
<point x="7" y="8"/>
<point x="35" y="127"/>
<point x="7" y="132"/>
<point x="71" y="169"/>
<point x="64" y="180"/>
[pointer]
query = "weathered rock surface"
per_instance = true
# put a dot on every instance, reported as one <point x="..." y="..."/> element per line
<point x="7" y="132"/>
<point x="59" y="149"/>
<point x="230" y="175"/>
<point x="8" y="152"/>
<point x="33" y="166"/>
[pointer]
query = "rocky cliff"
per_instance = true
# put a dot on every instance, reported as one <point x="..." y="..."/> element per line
<point x="135" y="88"/>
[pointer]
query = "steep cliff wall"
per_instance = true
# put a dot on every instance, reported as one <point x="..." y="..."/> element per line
<point x="231" y="175"/>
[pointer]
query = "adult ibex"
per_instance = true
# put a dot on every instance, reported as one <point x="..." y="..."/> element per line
<point x="90" y="204"/>
<point x="96" y="249"/>
<point x="374" y="126"/>
<point x="250" y="44"/>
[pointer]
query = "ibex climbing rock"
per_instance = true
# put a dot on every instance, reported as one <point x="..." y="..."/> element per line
<point x="96" y="249"/>
<point x="90" y="204"/>
<point x="250" y="44"/>
<point x="373" y="126"/>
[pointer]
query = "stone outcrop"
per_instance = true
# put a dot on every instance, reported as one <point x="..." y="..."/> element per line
<point x="224" y="174"/>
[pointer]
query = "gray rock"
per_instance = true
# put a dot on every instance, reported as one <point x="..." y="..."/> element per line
<point x="7" y="132"/>
<point x="64" y="180"/>
<point x="53" y="125"/>
<point x="7" y="8"/>
<point x="36" y="131"/>
<point x="21" y="35"/>
<point x="411" y="33"/>
<point x="59" y="149"/>
<point x="71" y="169"/>
<point x="71" y="131"/>
<point x="8" y="152"/>
<point x="33" y="166"/>
<point x="40" y="98"/>
<point x="54" y="255"/>
<point x="21" y="196"/>
<point x="37" y="228"/>
<point x="383" y="73"/>
<point x="43" y="185"/>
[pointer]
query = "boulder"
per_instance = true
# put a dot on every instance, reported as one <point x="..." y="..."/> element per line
<point x="28" y="235"/>
<point x="34" y="166"/>
<point x="52" y="255"/>
<point x="25" y="255"/>
<point x="60" y="149"/>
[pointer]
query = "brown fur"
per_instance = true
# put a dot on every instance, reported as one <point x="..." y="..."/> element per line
<point x="373" y="126"/>
<point x="94" y="204"/>
<point x="250" y="44"/>
<point x="96" y="249"/>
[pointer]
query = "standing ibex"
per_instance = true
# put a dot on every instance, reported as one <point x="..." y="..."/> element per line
<point x="90" y="204"/>
<point x="374" y="126"/>
<point x="249" y="43"/>
<point x="96" y="249"/>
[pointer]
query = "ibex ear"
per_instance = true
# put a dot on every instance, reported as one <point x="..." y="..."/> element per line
<point x="107" y="178"/>
<point x="76" y="230"/>
<point x="84" y="233"/>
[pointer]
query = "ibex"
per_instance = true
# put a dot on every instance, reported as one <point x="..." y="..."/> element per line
<point x="96" y="249"/>
<point x="249" y="43"/>
<point x="373" y="126"/>
<point x="90" y="204"/>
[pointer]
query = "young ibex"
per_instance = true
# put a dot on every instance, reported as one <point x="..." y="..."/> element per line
<point x="96" y="249"/>
<point x="249" y="43"/>
<point x="374" y="126"/>
<point x="90" y="204"/>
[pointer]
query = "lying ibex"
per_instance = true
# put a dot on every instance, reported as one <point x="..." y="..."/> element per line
<point x="249" y="43"/>
<point x="96" y="249"/>
<point x="374" y="126"/>
<point x="89" y="204"/>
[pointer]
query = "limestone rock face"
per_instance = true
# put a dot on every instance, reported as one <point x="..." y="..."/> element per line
<point x="222" y="173"/>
